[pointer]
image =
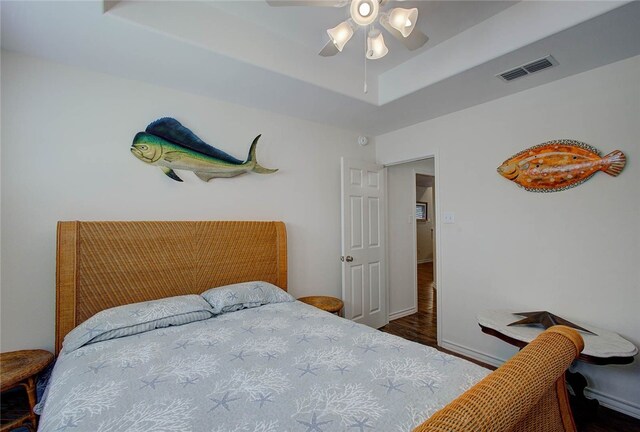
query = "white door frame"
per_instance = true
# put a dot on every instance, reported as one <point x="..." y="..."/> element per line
<point x="414" y="231"/>
<point x="440" y="285"/>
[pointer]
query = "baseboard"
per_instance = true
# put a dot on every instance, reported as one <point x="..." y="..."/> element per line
<point x="470" y="352"/>
<point x="427" y="260"/>
<point x="616" y="404"/>
<point x="402" y="313"/>
<point x="625" y="407"/>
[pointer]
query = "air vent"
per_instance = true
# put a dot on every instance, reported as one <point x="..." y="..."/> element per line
<point x="529" y="68"/>
<point x="537" y="65"/>
<point x="513" y="74"/>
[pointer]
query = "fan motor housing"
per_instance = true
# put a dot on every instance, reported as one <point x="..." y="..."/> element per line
<point x="364" y="12"/>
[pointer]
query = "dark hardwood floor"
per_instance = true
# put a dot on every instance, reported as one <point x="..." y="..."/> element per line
<point x="609" y="420"/>
<point x="421" y="327"/>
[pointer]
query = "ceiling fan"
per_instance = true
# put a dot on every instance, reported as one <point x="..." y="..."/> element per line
<point x="399" y="22"/>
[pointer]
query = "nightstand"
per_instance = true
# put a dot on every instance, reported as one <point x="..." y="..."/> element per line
<point x="326" y="303"/>
<point x="21" y="369"/>
<point x="601" y="347"/>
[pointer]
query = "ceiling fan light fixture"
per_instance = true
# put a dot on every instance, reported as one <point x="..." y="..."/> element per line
<point x="376" y="47"/>
<point x="403" y="20"/>
<point x="364" y="12"/>
<point x="341" y="34"/>
<point x="364" y="9"/>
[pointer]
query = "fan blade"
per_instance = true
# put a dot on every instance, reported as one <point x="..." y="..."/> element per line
<point x="320" y="3"/>
<point x="414" y="41"/>
<point x="330" y="49"/>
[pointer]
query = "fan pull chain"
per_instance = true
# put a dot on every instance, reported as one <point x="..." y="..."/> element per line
<point x="365" y="60"/>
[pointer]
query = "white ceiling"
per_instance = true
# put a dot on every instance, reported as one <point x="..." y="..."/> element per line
<point x="424" y="180"/>
<point x="249" y="53"/>
<point x="307" y="26"/>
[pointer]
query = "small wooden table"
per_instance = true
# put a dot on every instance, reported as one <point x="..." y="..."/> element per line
<point x="601" y="348"/>
<point x="326" y="303"/>
<point x="20" y="369"/>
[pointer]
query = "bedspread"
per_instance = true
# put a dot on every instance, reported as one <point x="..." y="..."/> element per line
<point x="278" y="367"/>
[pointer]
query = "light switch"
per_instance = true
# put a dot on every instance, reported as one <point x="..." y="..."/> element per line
<point x="448" y="217"/>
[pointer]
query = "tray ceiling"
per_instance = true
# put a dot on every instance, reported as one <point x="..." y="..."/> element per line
<point x="249" y="53"/>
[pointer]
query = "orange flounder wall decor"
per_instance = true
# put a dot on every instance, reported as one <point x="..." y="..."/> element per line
<point x="559" y="165"/>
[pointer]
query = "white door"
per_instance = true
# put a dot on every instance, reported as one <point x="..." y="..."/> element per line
<point x="364" y="287"/>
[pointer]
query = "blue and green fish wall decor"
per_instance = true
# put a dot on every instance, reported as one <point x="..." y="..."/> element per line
<point x="167" y="144"/>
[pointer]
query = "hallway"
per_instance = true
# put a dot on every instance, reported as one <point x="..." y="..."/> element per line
<point x="421" y="326"/>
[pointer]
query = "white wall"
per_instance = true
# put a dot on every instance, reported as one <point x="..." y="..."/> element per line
<point x="423" y="229"/>
<point x="66" y="134"/>
<point x="401" y="218"/>
<point x="575" y="253"/>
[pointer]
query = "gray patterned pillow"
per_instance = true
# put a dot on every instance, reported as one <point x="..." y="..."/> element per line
<point x="137" y="318"/>
<point x="244" y="295"/>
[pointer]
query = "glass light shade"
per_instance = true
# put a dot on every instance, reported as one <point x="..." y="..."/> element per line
<point x="403" y="20"/>
<point x="341" y="34"/>
<point x="375" y="45"/>
<point x="364" y="9"/>
<point x="364" y="12"/>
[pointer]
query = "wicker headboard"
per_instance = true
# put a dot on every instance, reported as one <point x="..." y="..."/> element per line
<point x="106" y="264"/>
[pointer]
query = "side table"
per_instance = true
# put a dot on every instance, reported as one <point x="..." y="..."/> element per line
<point x="20" y="369"/>
<point x="326" y="303"/>
<point x="601" y="348"/>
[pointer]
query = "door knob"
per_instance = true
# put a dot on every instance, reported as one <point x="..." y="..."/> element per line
<point x="349" y="258"/>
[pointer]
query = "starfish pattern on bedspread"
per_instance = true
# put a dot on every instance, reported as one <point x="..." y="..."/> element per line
<point x="314" y="425"/>
<point x="277" y="367"/>
<point x="223" y="402"/>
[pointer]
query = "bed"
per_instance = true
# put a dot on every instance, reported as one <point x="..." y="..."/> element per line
<point x="280" y="366"/>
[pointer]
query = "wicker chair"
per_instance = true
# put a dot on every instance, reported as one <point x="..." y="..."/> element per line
<point x="527" y="393"/>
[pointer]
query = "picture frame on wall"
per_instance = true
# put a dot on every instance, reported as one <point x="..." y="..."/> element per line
<point x="421" y="212"/>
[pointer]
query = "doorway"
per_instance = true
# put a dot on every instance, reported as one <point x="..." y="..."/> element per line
<point x="412" y="253"/>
